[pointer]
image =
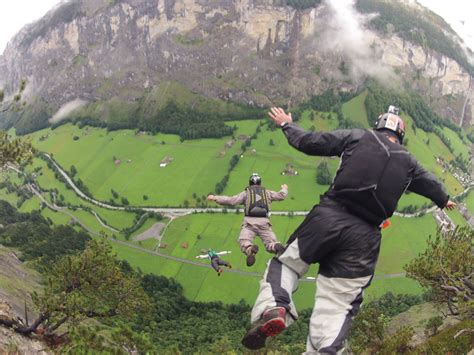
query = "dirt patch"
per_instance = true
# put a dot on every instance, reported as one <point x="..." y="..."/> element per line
<point x="153" y="232"/>
<point x="166" y="160"/>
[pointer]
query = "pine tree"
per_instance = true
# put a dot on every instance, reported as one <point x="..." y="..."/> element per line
<point x="323" y="176"/>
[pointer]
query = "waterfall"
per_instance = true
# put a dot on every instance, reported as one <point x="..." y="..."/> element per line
<point x="468" y="95"/>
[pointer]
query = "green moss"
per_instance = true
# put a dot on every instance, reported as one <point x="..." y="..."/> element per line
<point x="186" y="41"/>
<point x="79" y="60"/>
<point x="303" y="4"/>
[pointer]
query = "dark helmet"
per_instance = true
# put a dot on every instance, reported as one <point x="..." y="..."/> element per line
<point x="391" y="121"/>
<point x="255" y="179"/>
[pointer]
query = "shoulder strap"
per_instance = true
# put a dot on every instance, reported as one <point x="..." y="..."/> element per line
<point x="248" y="199"/>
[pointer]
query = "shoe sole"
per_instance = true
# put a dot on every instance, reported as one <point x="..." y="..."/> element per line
<point x="251" y="258"/>
<point x="279" y="250"/>
<point x="255" y="339"/>
<point x="273" y="327"/>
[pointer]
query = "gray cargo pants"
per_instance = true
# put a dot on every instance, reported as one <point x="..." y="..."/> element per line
<point x="253" y="226"/>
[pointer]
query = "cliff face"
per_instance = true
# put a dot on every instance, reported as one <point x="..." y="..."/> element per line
<point x="249" y="51"/>
<point x="17" y="282"/>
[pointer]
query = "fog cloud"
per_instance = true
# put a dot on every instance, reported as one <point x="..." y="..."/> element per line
<point x="66" y="109"/>
<point x="347" y="33"/>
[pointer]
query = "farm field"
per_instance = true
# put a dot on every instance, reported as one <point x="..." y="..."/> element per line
<point x="199" y="165"/>
<point x="116" y="219"/>
<point x="270" y="161"/>
<point x="192" y="235"/>
<point x="202" y="284"/>
<point x="129" y="163"/>
<point x="47" y="181"/>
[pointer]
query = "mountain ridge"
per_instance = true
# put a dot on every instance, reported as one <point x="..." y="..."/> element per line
<point x="254" y="52"/>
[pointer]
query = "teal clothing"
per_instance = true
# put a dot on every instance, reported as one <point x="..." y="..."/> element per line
<point x="211" y="254"/>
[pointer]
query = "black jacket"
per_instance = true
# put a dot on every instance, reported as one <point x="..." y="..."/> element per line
<point x="372" y="175"/>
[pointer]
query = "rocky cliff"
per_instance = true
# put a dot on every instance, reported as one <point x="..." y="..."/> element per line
<point x="256" y="52"/>
<point x="14" y="343"/>
<point x="17" y="282"/>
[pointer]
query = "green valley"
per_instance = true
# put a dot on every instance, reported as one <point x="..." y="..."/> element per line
<point x="124" y="166"/>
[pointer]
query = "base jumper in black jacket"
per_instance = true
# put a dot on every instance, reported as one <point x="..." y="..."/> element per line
<point x="341" y="233"/>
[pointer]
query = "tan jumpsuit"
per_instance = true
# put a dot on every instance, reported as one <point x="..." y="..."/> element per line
<point x="253" y="226"/>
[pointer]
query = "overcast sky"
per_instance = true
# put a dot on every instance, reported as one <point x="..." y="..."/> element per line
<point x="14" y="14"/>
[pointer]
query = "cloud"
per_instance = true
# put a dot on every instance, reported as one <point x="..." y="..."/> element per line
<point x="66" y="109"/>
<point x="346" y="33"/>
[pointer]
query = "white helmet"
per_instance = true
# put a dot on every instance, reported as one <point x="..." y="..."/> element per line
<point x="392" y="122"/>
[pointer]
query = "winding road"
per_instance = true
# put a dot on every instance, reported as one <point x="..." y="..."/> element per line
<point x="177" y="212"/>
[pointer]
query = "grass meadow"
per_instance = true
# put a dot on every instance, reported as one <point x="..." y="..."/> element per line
<point x="196" y="167"/>
<point x="189" y="236"/>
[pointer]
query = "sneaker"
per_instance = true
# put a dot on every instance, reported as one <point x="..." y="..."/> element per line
<point x="219" y="272"/>
<point x="251" y="251"/>
<point x="229" y="265"/>
<point x="272" y="323"/>
<point x="279" y="248"/>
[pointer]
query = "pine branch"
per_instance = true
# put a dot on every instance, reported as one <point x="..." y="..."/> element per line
<point x="18" y="326"/>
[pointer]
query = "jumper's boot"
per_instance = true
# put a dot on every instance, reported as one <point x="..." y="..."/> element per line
<point x="279" y="249"/>
<point x="229" y="265"/>
<point x="250" y="252"/>
<point x="220" y="271"/>
<point x="272" y="323"/>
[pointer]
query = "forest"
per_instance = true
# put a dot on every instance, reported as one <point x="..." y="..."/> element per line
<point x="36" y="238"/>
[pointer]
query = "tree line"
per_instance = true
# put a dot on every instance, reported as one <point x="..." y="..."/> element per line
<point x="36" y="238"/>
<point x="379" y="98"/>
<point x="172" y="118"/>
<point x="221" y="185"/>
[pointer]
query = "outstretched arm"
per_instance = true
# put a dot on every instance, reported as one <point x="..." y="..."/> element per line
<point x="228" y="200"/>
<point x="426" y="184"/>
<point x="280" y="195"/>
<point x="311" y="143"/>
